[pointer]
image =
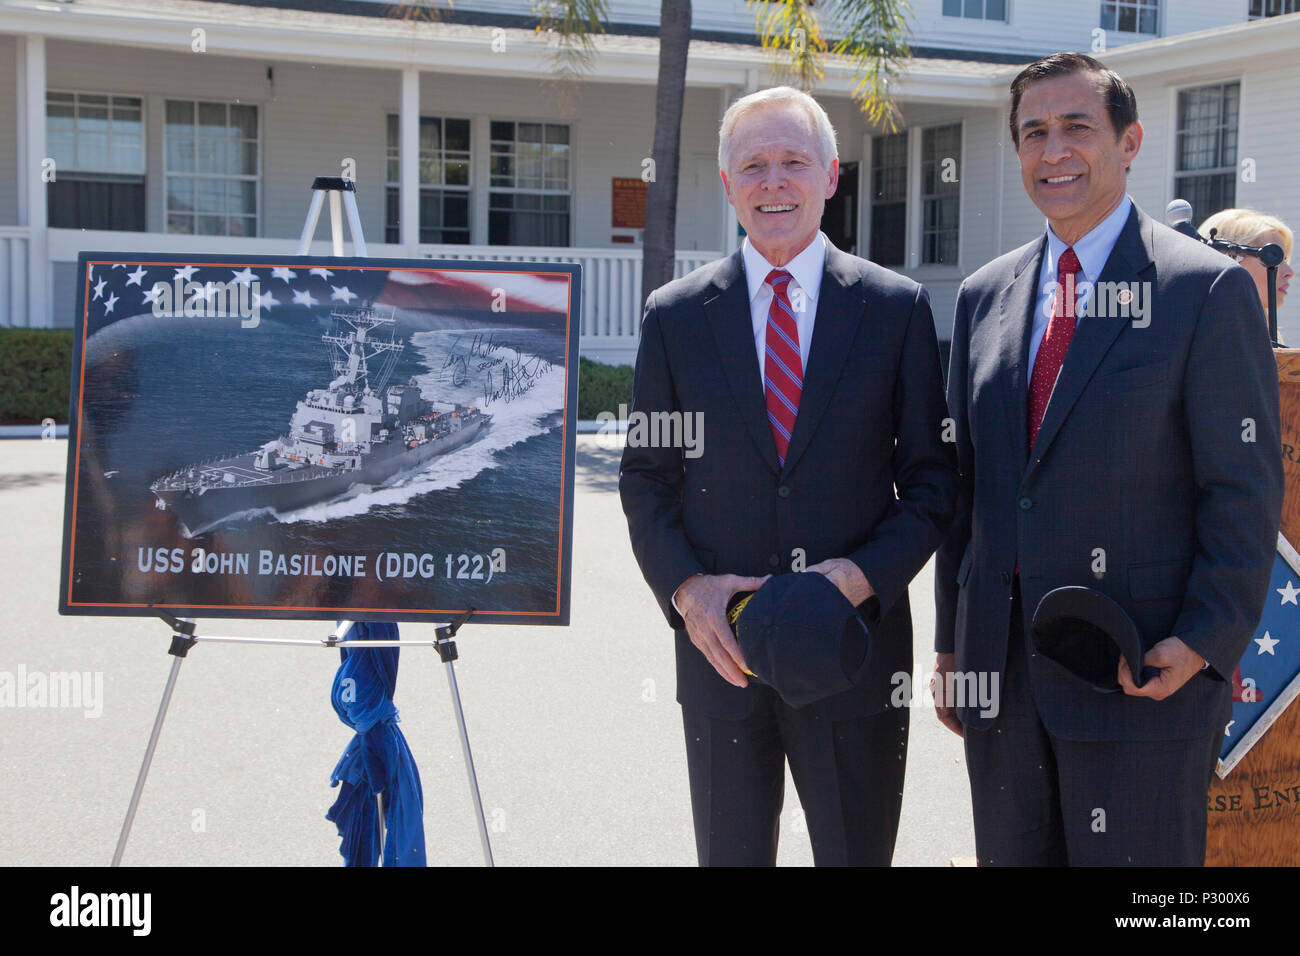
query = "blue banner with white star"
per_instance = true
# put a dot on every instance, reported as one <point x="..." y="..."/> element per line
<point x="322" y="438"/>
<point x="1265" y="681"/>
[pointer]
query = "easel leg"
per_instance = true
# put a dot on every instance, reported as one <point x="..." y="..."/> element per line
<point x="469" y="764"/>
<point x="148" y="759"/>
<point x="447" y="653"/>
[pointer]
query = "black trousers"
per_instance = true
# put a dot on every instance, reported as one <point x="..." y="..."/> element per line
<point x="849" y="774"/>
<point x="1040" y="800"/>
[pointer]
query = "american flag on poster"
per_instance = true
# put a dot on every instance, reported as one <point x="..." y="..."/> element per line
<point x="1268" y="678"/>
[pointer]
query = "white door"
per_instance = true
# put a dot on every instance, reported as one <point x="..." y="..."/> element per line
<point x="699" y="203"/>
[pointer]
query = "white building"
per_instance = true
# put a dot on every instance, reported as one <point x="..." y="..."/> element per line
<point x="180" y="126"/>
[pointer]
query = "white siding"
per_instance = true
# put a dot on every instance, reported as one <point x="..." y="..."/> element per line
<point x="1043" y="26"/>
<point x="314" y="116"/>
<point x="1036" y="26"/>
<point x="1188" y="16"/>
<point x="8" y="131"/>
<point x="729" y="16"/>
<point x="1269" y="137"/>
<point x="311" y="118"/>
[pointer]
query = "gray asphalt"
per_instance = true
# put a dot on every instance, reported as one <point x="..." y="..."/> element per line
<point x="576" y="734"/>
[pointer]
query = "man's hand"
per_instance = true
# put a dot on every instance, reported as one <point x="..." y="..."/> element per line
<point x="848" y="577"/>
<point x="702" y="601"/>
<point x="943" y="665"/>
<point x="1176" y="662"/>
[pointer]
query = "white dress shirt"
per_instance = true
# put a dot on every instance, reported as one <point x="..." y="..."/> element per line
<point x="1093" y="250"/>
<point x="805" y="283"/>
<point x="806" y="277"/>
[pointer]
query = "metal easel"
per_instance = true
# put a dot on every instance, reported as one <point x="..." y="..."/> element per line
<point x="342" y="195"/>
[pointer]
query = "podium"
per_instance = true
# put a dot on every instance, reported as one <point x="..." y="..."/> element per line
<point x="1254" y="801"/>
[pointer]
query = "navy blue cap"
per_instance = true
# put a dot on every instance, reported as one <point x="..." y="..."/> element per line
<point x="1085" y="632"/>
<point x="802" y="637"/>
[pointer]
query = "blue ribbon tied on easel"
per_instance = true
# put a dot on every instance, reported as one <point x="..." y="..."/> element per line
<point x="377" y="760"/>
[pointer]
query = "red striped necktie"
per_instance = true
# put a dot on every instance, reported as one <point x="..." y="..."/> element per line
<point x="782" y="367"/>
<point x="1056" y="341"/>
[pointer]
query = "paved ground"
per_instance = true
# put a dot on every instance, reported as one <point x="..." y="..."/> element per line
<point x="576" y="734"/>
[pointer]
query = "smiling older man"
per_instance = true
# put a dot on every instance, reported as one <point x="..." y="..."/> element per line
<point x="816" y="376"/>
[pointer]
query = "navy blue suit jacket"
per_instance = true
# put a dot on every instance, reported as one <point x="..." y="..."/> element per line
<point x="1156" y="476"/>
<point x="867" y="475"/>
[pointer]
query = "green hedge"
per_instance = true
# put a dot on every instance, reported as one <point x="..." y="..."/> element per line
<point x="602" y="388"/>
<point x="35" y="375"/>
<point x="36" y="365"/>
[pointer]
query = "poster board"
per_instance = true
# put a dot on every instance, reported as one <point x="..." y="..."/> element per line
<point x="321" y="438"/>
<point x="1254" y="798"/>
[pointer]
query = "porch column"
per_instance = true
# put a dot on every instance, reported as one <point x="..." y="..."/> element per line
<point x="409" y="140"/>
<point x="31" y="187"/>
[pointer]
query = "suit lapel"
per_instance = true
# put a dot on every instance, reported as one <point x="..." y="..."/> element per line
<point x="1017" y="322"/>
<point x="1094" y="334"/>
<point x="840" y="304"/>
<point x="733" y="330"/>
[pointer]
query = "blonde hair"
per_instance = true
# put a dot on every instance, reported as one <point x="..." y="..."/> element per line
<point x="1244" y="226"/>
<point x="778" y="96"/>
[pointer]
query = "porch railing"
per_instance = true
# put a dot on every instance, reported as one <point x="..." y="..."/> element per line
<point x="14" y="248"/>
<point x="611" y="286"/>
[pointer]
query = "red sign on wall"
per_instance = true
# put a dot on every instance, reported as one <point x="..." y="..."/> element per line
<point x="627" y="203"/>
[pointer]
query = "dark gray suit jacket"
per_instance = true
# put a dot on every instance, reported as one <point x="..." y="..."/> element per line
<point x="867" y="475"/>
<point x="1158" y="462"/>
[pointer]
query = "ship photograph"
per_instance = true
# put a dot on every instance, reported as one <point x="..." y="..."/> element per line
<point x="409" y="423"/>
<point x="346" y="434"/>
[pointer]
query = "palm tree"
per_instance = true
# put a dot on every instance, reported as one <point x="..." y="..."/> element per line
<point x="870" y="34"/>
<point x="659" y="247"/>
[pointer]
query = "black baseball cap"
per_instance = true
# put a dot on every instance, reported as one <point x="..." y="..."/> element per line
<point x="1086" y="632"/>
<point x="801" y="637"/>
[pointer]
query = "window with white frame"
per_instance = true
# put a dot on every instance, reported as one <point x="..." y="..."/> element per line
<point x="530" y="184"/>
<point x="1260" y="9"/>
<point x="976" y="9"/>
<point x="888" y="245"/>
<point x="1130" y="16"/>
<point x="212" y="168"/>
<point x="1206" y="152"/>
<point x="97" y="143"/>
<point x="445" y="162"/>
<point x="940" y="194"/>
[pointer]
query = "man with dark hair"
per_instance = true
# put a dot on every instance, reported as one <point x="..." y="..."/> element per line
<point x="1114" y="400"/>
<point x="1116" y="94"/>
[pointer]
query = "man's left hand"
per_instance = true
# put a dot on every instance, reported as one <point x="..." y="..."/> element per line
<point x="848" y="577"/>
<point x="1176" y="662"/>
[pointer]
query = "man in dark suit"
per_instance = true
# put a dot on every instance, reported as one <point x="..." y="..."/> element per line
<point x="816" y="378"/>
<point x="1115" y="407"/>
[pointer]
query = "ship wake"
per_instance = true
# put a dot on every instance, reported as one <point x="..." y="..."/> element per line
<point x="530" y="404"/>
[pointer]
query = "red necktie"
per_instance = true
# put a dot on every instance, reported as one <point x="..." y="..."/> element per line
<point x="782" y="367"/>
<point x="1056" y="340"/>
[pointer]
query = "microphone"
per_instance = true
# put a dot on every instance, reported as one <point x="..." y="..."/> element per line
<point x="1178" y="216"/>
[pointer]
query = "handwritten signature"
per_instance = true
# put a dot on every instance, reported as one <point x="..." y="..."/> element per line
<point x="504" y="378"/>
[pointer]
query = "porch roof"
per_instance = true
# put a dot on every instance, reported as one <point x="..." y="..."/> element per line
<point x="284" y="33"/>
<point x="265" y="32"/>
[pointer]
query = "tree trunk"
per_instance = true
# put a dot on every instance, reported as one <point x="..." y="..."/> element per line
<point x="660" y="246"/>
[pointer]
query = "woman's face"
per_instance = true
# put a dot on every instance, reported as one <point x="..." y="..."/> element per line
<point x="1260" y="274"/>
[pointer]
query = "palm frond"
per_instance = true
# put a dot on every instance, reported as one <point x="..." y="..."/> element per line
<point x="414" y="11"/>
<point x="791" y="31"/>
<point x="572" y="26"/>
<point x="873" y="37"/>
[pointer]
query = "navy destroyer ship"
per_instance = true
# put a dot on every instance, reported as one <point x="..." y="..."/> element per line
<point x="354" y="431"/>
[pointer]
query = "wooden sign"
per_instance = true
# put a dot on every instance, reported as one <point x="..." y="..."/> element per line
<point x="627" y="203"/>
<point x="1254" y="801"/>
